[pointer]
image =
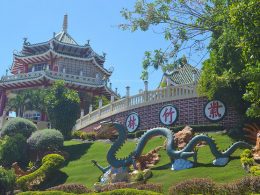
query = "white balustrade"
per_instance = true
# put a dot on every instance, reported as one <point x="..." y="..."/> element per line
<point x="52" y="74"/>
<point x="143" y="99"/>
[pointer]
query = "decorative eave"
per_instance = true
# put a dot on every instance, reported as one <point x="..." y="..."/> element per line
<point x="46" y="78"/>
<point x="19" y="60"/>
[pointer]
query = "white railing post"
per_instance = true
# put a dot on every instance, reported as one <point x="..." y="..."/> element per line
<point x="90" y="108"/>
<point x="127" y="96"/>
<point x="99" y="106"/>
<point x="145" y="91"/>
<point x="112" y="103"/>
<point x="110" y="85"/>
<point x="81" y="113"/>
<point x="168" y="88"/>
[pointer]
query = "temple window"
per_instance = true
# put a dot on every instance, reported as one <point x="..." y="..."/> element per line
<point x="37" y="67"/>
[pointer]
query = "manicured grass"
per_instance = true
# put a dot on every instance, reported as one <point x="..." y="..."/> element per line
<point x="79" y="168"/>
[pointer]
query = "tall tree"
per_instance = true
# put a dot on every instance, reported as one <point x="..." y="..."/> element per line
<point x="62" y="107"/>
<point x="232" y="26"/>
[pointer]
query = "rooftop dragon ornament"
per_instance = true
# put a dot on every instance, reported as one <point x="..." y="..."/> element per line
<point x="178" y="157"/>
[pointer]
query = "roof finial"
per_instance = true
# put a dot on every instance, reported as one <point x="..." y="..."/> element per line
<point x="65" y="23"/>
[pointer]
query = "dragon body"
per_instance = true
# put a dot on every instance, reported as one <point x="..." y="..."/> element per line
<point x="175" y="155"/>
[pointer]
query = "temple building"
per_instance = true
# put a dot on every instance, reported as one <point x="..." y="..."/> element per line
<point x="61" y="58"/>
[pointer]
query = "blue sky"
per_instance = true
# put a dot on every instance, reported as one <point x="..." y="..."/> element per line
<point x="94" y="20"/>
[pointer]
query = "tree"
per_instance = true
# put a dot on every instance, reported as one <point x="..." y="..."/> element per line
<point x="29" y="99"/>
<point x="233" y="65"/>
<point x="232" y="26"/>
<point x="19" y="102"/>
<point x="62" y="107"/>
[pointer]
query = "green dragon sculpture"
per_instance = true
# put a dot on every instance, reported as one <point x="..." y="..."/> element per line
<point x="178" y="157"/>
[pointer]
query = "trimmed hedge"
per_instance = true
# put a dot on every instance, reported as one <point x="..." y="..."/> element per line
<point x="114" y="192"/>
<point x="50" y="163"/>
<point x="71" y="188"/>
<point x="122" y="185"/>
<point x="18" y="125"/>
<point x="246" y="185"/>
<point x="196" y="128"/>
<point x="46" y="139"/>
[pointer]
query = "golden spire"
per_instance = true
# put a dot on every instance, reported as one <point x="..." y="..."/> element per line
<point x="65" y="23"/>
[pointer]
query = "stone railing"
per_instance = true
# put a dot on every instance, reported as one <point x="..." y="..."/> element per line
<point x="22" y="76"/>
<point x="131" y="102"/>
<point x="54" y="75"/>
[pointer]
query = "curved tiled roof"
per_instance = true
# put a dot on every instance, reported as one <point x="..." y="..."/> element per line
<point x="184" y="74"/>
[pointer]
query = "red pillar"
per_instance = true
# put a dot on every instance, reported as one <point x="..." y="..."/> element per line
<point x="2" y="102"/>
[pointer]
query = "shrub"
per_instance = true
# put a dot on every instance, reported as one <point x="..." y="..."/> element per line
<point x="114" y="192"/>
<point x="50" y="163"/>
<point x="13" y="149"/>
<point x="236" y="133"/>
<point x="246" y="185"/>
<point x="7" y="180"/>
<point x="46" y="193"/>
<point x="123" y="185"/>
<point x="47" y="139"/>
<point x="255" y="170"/>
<point x="247" y="158"/>
<point x="72" y="188"/>
<point x="76" y="134"/>
<point x="88" y="135"/>
<point x="139" y="176"/>
<point x="19" y="125"/>
<point x="193" y="186"/>
<point x="199" y="128"/>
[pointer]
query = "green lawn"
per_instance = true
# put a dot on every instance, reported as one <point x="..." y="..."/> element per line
<point x="79" y="168"/>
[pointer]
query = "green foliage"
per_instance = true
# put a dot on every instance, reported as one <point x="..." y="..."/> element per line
<point x="50" y="163"/>
<point x="84" y="135"/>
<point x="246" y="185"/>
<point x="71" y="188"/>
<point x="255" y="170"/>
<point x="13" y="149"/>
<point x="232" y="72"/>
<point x="246" y="158"/>
<point x="7" y="180"/>
<point x="139" y="176"/>
<point x="234" y="65"/>
<point x="88" y="136"/>
<point x="18" y="125"/>
<point x="46" y="140"/>
<point x="95" y="101"/>
<point x="193" y="186"/>
<point x="62" y="107"/>
<point x="27" y="99"/>
<point x="114" y="192"/>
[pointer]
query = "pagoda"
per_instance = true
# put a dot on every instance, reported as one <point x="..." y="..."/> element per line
<point x="60" y="58"/>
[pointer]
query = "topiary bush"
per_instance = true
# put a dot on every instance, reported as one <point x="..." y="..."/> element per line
<point x="122" y="185"/>
<point x="46" y="140"/>
<point x="71" y="188"/>
<point x="50" y="163"/>
<point x="13" y="149"/>
<point x="18" y="125"/>
<point x="7" y="180"/>
<point x="114" y="192"/>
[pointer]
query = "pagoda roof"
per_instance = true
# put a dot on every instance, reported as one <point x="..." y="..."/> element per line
<point x="183" y="74"/>
<point x="32" y="59"/>
<point x="62" y="43"/>
<point x="64" y="37"/>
